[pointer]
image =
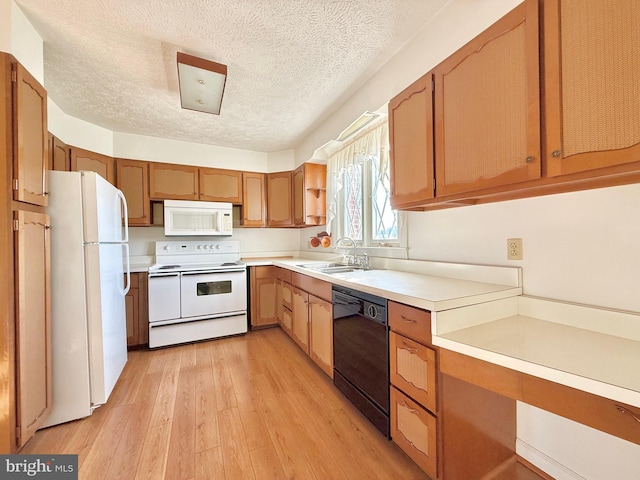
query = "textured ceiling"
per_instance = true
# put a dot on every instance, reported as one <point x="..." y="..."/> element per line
<point x="290" y="62"/>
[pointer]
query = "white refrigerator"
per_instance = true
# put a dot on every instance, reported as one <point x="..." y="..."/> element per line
<point x="89" y="262"/>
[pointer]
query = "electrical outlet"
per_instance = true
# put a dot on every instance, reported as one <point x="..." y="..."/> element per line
<point x="514" y="249"/>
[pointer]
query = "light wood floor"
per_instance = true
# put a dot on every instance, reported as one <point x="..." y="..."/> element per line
<point x="248" y="407"/>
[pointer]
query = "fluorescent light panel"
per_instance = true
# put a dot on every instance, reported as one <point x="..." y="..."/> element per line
<point x="201" y="83"/>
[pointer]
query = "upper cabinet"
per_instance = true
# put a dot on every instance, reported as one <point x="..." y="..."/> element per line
<point x="94" y="162"/>
<point x="218" y="185"/>
<point x="59" y="155"/>
<point x="592" y="91"/>
<point x="173" y="182"/>
<point x="133" y="179"/>
<point x="253" y="200"/>
<point x="487" y="108"/>
<point x="310" y="194"/>
<point x="31" y="139"/>
<point x="411" y="144"/>
<point x="279" y="199"/>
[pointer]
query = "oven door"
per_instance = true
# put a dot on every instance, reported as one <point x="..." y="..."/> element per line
<point x="213" y="293"/>
<point x="164" y="296"/>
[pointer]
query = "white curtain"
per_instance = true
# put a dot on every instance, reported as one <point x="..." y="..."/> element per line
<point x="370" y="145"/>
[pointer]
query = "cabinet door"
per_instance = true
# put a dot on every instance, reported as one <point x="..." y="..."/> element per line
<point x="133" y="179"/>
<point x="263" y="302"/>
<point x="411" y="144"/>
<point x="321" y="333"/>
<point x="413" y="369"/>
<point x="33" y="322"/>
<point x="300" y="312"/>
<point x="287" y="321"/>
<point x="218" y="185"/>
<point x="173" y="182"/>
<point x="93" y="162"/>
<point x="31" y="139"/>
<point x="279" y="199"/>
<point x="253" y="200"/>
<point x="286" y="295"/>
<point x="132" y="307"/>
<point x="487" y="108"/>
<point x="592" y="92"/>
<point x="413" y="429"/>
<point x="298" y="196"/>
<point x="59" y="155"/>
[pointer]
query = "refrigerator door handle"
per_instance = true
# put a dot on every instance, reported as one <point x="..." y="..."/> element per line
<point x="125" y="217"/>
<point x="126" y="289"/>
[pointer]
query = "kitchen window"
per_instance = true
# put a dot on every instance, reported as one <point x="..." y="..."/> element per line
<point x="358" y="190"/>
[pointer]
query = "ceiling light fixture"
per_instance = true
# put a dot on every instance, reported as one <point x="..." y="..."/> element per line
<point x="201" y="83"/>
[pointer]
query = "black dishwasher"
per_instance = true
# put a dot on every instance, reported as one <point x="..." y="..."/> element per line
<point x="361" y="353"/>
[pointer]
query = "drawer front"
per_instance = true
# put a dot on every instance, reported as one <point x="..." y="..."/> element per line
<point x="287" y="321"/>
<point x="410" y="322"/>
<point x="135" y="280"/>
<point x="266" y="271"/>
<point x="413" y="369"/>
<point x="283" y="274"/>
<point x="318" y="288"/>
<point x="413" y="429"/>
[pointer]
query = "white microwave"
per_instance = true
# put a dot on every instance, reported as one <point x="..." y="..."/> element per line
<point x="187" y="218"/>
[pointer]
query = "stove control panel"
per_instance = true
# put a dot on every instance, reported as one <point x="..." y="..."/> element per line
<point x="197" y="247"/>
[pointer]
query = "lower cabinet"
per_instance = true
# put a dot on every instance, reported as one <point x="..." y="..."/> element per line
<point x="136" y="307"/>
<point x="414" y="430"/>
<point x="265" y="304"/>
<point x="413" y="375"/>
<point x="306" y="315"/>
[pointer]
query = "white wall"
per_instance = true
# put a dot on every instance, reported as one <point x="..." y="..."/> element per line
<point x="24" y="43"/>
<point x="5" y="25"/>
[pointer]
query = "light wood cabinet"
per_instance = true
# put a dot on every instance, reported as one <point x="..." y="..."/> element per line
<point x="413" y="369"/>
<point x="414" y="430"/>
<point x="33" y="322"/>
<point x="59" y="155"/>
<point x="321" y="333"/>
<point x="300" y="313"/>
<point x="173" y="182"/>
<point x="266" y="295"/>
<point x="279" y="199"/>
<point x="411" y="144"/>
<point x="133" y="179"/>
<point x="592" y="98"/>
<point x="219" y="185"/>
<point x="253" y="200"/>
<point x="93" y="162"/>
<point x="136" y="307"/>
<point x="31" y="139"/>
<point x="487" y="108"/>
<point x="413" y="375"/>
<point x="310" y="194"/>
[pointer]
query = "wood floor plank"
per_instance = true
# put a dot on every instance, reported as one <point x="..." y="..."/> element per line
<point x="153" y="459"/>
<point x="210" y="464"/>
<point x="206" y="417"/>
<point x="129" y="449"/>
<point x="182" y="446"/>
<point x="165" y="400"/>
<point x="266" y="463"/>
<point x="235" y="452"/>
<point x="225" y="396"/>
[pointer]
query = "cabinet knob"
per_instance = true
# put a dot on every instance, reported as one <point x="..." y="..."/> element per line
<point x="529" y="159"/>
<point x="556" y="153"/>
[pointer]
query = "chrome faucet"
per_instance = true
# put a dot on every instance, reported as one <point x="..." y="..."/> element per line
<point x="354" y="258"/>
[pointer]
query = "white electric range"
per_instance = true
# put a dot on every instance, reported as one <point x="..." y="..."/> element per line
<point x="197" y="291"/>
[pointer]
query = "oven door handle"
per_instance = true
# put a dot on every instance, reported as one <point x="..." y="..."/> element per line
<point x="216" y="272"/>
<point x="158" y="275"/>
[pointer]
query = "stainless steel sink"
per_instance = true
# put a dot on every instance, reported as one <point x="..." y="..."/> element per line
<point x="330" y="268"/>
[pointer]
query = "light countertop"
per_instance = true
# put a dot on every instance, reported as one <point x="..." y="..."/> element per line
<point x="427" y="291"/>
<point x="591" y="349"/>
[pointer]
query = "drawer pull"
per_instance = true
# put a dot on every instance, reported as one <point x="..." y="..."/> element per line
<point x="412" y="410"/>
<point x="621" y="409"/>
<point x="408" y="320"/>
<point x="409" y="348"/>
